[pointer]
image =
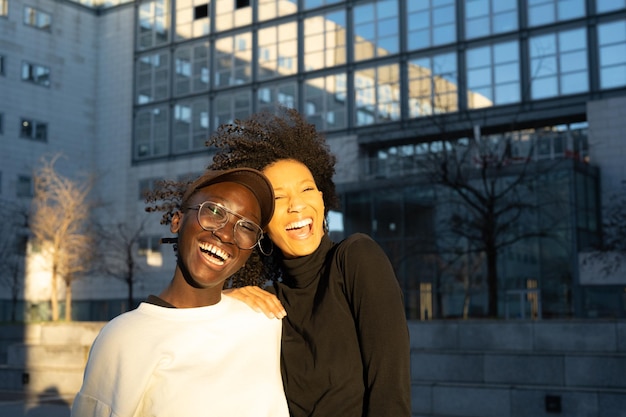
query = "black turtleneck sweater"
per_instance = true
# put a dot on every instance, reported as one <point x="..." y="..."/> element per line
<point x="345" y="343"/>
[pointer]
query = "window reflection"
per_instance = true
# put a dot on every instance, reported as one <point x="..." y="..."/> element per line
<point x="493" y="75"/>
<point x="542" y="12"/>
<point x="375" y="29"/>
<point x="430" y="23"/>
<point x="433" y="85"/>
<point x="278" y="51"/>
<point x="558" y="64"/>
<point x="325" y="40"/>
<point x="233" y="60"/>
<point x="152" y="81"/>
<point x="153" y="27"/>
<point x="230" y="106"/>
<point x="377" y="94"/>
<point x="284" y="94"/>
<point x="609" y="5"/>
<point x="192" y="68"/>
<point x="487" y="17"/>
<point x="612" y="43"/>
<point x="325" y="102"/>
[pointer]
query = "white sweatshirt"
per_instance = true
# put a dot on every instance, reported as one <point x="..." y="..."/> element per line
<point x="217" y="361"/>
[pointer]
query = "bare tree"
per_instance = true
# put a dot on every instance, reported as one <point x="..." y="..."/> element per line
<point x="60" y="225"/>
<point x="609" y="255"/>
<point x="488" y="190"/>
<point x="118" y="254"/>
<point x="13" y="238"/>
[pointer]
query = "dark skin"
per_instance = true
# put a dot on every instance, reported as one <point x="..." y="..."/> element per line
<point x="199" y="276"/>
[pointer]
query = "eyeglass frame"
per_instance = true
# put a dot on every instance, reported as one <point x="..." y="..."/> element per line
<point x="241" y="218"/>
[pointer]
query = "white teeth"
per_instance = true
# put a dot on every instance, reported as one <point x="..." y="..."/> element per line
<point x="297" y="225"/>
<point x="214" y="250"/>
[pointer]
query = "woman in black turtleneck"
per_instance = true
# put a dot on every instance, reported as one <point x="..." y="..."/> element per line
<point x="345" y="342"/>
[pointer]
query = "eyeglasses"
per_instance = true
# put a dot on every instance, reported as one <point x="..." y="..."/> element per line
<point x="214" y="216"/>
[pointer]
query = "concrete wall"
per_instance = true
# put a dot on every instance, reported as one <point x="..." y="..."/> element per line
<point x="519" y="369"/>
<point x="459" y="369"/>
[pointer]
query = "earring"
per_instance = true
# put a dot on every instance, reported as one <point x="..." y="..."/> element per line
<point x="325" y="225"/>
<point x="271" y="248"/>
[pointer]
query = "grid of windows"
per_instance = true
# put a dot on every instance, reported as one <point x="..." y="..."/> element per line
<point x="37" y="74"/>
<point x="612" y="43"/>
<point x="345" y="65"/>
<point x="325" y="103"/>
<point x="33" y="129"/>
<point x="37" y="18"/>
<point x="285" y="93"/>
<point x="377" y="94"/>
<point x="191" y="125"/>
<point x="153" y="77"/>
<point x="376" y="29"/>
<point x="325" y="40"/>
<point x="542" y="12"/>
<point x="488" y="17"/>
<point x="231" y="106"/>
<point x="278" y="50"/>
<point x="430" y="23"/>
<point x="153" y="23"/>
<point x="558" y="64"/>
<point x="192" y="71"/>
<point x="433" y="85"/>
<point x="233" y="60"/>
<point x="493" y="75"/>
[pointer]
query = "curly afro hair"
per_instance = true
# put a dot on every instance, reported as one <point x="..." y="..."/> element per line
<point x="261" y="140"/>
<point x="265" y="138"/>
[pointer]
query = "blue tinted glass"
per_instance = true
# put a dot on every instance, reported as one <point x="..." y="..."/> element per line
<point x="478" y="57"/>
<point x="478" y="77"/>
<point x="613" y="76"/>
<point x="544" y="87"/>
<point x="387" y="27"/>
<point x="608" y="5"/>
<point x="419" y="20"/>
<point x="505" y="22"/>
<point x="507" y="93"/>
<point x="543" y="45"/>
<point x="476" y="28"/>
<point x="505" y="52"/>
<point x="339" y="18"/>
<point x="572" y="40"/>
<point x="475" y="8"/>
<point x="542" y="67"/>
<point x="444" y="34"/>
<point x="419" y="40"/>
<point x="574" y="83"/>
<point x="364" y="13"/>
<point x="574" y="61"/>
<point x="612" y="55"/>
<point x="506" y="73"/>
<point x="612" y="32"/>
<point x="387" y="8"/>
<point x="541" y="15"/>
<point x="570" y="9"/>
<point x="502" y="5"/>
<point x="443" y="15"/>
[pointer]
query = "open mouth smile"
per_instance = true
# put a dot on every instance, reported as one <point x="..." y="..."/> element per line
<point x="213" y="254"/>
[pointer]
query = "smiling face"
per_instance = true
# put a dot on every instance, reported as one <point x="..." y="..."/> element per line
<point x="297" y="226"/>
<point x="212" y="256"/>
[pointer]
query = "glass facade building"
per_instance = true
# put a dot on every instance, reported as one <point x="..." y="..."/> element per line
<point x="392" y="77"/>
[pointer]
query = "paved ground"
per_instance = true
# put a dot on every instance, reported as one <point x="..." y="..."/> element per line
<point x="17" y="404"/>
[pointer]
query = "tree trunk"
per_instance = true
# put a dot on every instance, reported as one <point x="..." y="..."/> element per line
<point x="54" y="301"/>
<point x="68" y="301"/>
<point x="492" y="281"/>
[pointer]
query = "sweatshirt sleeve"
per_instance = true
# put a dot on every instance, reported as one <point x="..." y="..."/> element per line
<point x="378" y="309"/>
<point x="116" y="372"/>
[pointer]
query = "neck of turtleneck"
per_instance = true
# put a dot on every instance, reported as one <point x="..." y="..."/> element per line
<point x="301" y="272"/>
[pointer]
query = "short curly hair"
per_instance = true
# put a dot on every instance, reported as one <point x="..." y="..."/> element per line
<point x="261" y="140"/>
